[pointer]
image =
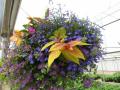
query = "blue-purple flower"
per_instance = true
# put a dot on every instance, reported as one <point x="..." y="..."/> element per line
<point x="88" y="82"/>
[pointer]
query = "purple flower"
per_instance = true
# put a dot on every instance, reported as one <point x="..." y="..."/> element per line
<point x="88" y="83"/>
<point x="62" y="73"/>
<point x="30" y="57"/>
<point x="26" y="80"/>
<point x="31" y="30"/>
<point x="78" y="38"/>
<point x="1" y="69"/>
<point x="42" y="57"/>
<point x="74" y="69"/>
<point x="85" y="51"/>
<point x="37" y="49"/>
<point x="40" y="66"/>
<point x="69" y="68"/>
<point x="80" y="69"/>
<point x="16" y="81"/>
<point x="32" y="88"/>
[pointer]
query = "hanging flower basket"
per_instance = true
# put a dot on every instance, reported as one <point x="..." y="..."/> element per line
<point x="51" y="50"/>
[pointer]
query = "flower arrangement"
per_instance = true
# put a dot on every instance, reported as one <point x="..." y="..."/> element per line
<point x="51" y="50"/>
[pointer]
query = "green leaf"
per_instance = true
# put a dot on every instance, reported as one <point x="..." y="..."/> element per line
<point x="24" y="31"/>
<point x="83" y="43"/>
<point x="47" y="45"/>
<point x="75" y="25"/>
<point x="1" y="62"/>
<point x="70" y="57"/>
<point x="84" y="39"/>
<point x="26" y="26"/>
<point x="94" y="51"/>
<point x="60" y="33"/>
<point x="53" y="55"/>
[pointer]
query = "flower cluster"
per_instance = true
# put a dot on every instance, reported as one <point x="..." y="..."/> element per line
<point x="57" y="46"/>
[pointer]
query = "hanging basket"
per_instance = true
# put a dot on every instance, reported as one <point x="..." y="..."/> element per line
<point x="50" y="50"/>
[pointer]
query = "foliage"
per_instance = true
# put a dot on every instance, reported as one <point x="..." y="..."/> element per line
<point x="3" y="78"/>
<point x="105" y="77"/>
<point x="34" y="51"/>
<point x="69" y="50"/>
<point x="112" y="78"/>
<point x="103" y="86"/>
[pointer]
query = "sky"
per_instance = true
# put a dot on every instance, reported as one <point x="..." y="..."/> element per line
<point x="99" y="11"/>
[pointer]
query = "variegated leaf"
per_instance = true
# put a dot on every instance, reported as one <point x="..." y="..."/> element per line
<point x="70" y="57"/>
<point x="76" y="53"/>
<point x="60" y="33"/>
<point x="57" y="46"/>
<point x="76" y="42"/>
<point x="52" y="56"/>
<point x="47" y="45"/>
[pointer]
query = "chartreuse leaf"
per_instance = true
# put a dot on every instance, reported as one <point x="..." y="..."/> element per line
<point x="57" y="46"/>
<point x="76" y="42"/>
<point x="70" y="57"/>
<point x="16" y="39"/>
<point x="52" y="56"/>
<point x="18" y="33"/>
<point x="76" y="53"/>
<point x="52" y="37"/>
<point x="47" y="45"/>
<point x="60" y="33"/>
<point x="18" y="42"/>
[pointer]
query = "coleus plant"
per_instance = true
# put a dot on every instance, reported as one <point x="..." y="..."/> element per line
<point x="58" y="46"/>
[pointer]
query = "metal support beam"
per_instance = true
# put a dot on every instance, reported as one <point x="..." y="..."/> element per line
<point x="9" y="10"/>
<point x="8" y="14"/>
<point x="2" y="8"/>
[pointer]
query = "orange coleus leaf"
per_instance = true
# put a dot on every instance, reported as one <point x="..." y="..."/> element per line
<point x="70" y="57"/>
<point x="76" y="42"/>
<point x="52" y="56"/>
<point x="76" y="53"/>
<point x="47" y="45"/>
<point x="57" y="46"/>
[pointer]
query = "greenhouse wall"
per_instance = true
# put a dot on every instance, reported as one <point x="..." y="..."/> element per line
<point x="110" y="62"/>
